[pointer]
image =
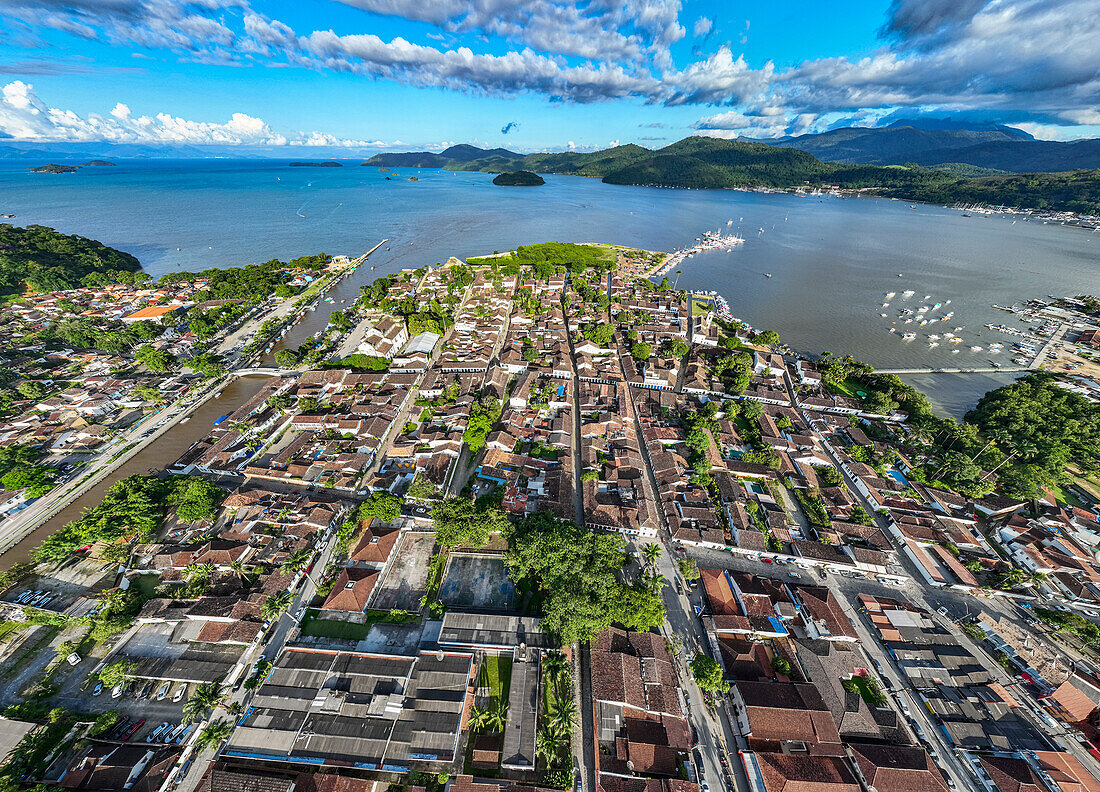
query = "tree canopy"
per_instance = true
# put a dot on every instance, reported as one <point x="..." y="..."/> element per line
<point x="44" y="260"/>
<point x="461" y="522"/>
<point x="580" y="575"/>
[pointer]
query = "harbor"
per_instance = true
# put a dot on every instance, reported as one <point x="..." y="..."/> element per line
<point x="710" y="240"/>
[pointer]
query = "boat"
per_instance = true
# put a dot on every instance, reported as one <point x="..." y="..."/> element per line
<point x="890" y="295"/>
<point x="882" y="315"/>
<point x="933" y="344"/>
<point x="218" y="395"/>
<point x="975" y="348"/>
<point x="933" y="337"/>
<point x="767" y="274"/>
<point x="186" y="419"/>
<point x="908" y="336"/>
<point x="886" y="305"/>
<point x="908" y="293"/>
<point x="994" y="364"/>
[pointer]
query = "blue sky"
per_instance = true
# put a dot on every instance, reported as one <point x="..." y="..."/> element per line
<point x="371" y="74"/>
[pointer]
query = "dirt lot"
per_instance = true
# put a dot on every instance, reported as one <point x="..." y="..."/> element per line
<point x="1088" y="368"/>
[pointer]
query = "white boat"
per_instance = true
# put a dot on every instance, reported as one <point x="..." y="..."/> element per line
<point x="933" y="337"/>
<point x="908" y="336"/>
<point x="975" y="348"/>
<point x="890" y="295"/>
<point x="886" y="305"/>
<point x="933" y="344"/>
<point x="882" y="315"/>
<point x="923" y="309"/>
<point x="908" y="293"/>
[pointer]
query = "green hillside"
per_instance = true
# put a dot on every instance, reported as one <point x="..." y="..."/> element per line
<point x="714" y="163"/>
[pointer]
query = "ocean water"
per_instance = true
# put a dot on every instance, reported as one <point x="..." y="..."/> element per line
<point x="831" y="260"/>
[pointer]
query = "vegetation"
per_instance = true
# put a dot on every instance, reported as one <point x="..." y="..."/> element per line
<point x="519" y="179"/>
<point x="134" y="506"/>
<point x="203" y="699"/>
<point x="579" y="574"/>
<point x="708" y="674"/>
<point x="781" y="665"/>
<point x="253" y="283"/>
<point x="380" y="506"/>
<point x="461" y="522"/>
<point x="41" y="259"/>
<point x="483" y="414"/>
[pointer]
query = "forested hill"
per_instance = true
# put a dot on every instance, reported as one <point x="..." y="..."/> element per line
<point x="44" y="260"/>
<point x="709" y="163"/>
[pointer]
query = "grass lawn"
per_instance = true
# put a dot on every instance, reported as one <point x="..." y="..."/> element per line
<point x="1065" y="495"/>
<point x="330" y="628"/>
<point x="867" y="690"/>
<point x="701" y="305"/>
<point x="847" y="388"/>
<point x="496" y="674"/>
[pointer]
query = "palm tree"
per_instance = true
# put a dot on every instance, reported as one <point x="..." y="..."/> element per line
<point x="242" y="570"/>
<point x="995" y="436"/>
<point x="296" y="560"/>
<point x="1024" y="448"/>
<point x="561" y="711"/>
<point x="204" y="698"/>
<point x="195" y="572"/>
<point x="213" y="735"/>
<point x="651" y="552"/>
<point x="653" y="580"/>
<point x="478" y="719"/>
<point x="556" y="665"/>
<point x="547" y="746"/>
<point x="274" y="604"/>
<point x="496" y="716"/>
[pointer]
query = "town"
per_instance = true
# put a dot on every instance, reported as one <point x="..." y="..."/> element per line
<point x="535" y="520"/>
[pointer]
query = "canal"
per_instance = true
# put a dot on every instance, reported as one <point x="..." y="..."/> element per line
<point x="165" y="450"/>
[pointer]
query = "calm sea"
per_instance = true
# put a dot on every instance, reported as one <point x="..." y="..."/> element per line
<point x="831" y="260"/>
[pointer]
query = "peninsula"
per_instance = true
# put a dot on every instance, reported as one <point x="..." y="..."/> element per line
<point x="329" y="164"/>
<point x="408" y="526"/>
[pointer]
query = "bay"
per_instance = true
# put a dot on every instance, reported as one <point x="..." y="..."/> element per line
<point x="831" y="260"/>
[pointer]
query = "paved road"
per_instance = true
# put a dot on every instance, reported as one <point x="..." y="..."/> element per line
<point x="306" y="588"/>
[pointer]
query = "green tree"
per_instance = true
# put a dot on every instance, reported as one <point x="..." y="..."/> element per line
<point x="213" y="735"/>
<point x="689" y="569"/>
<point x="781" y="666"/>
<point x="767" y="338"/>
<point x="578" y="573"/>
<point x="36" y="481"/>
<point x="381" y="506"/>
<point x="460" y="522"/>
<point x="159" y="360"/>
<point x="708" y="674"/>
<point x="274" y="604"/>
<point x="204" y="698"/>
<point x="651" y="552"/>
<point x="196" y="499"/>
<point x="116" y="673"/>
<point x="641" y="351"/>
<point x="286" y="358"/>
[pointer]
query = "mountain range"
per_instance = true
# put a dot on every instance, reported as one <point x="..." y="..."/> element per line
<point x="701" y="162"/>
<point x="935" y="143"/>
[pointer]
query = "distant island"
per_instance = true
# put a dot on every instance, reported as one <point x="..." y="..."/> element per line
<point x="98" y="164"/>
<point x="316" y="164"/>
<point x="713" y="163"/>
<point x="53" y="168"/>
<point x="521" y="178"/>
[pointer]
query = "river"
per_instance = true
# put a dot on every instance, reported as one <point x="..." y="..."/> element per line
<point x="151" y="459"/>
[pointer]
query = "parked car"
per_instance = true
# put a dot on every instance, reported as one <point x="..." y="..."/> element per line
<point x="97" y="689"/>
<point x="116" y="691"/>
<point x="132" y="729"/>
<point x="162" y="691"/>
<point x="157" y="732"/>
<point x="180" y="691"/>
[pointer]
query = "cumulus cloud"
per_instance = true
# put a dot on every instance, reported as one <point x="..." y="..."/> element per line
<point x="24" y="116"/>
<point x="1024" y="61"/>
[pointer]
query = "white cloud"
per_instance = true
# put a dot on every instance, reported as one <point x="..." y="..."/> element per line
<point x="703" y="25"/>
<point x="24" y="116"/>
